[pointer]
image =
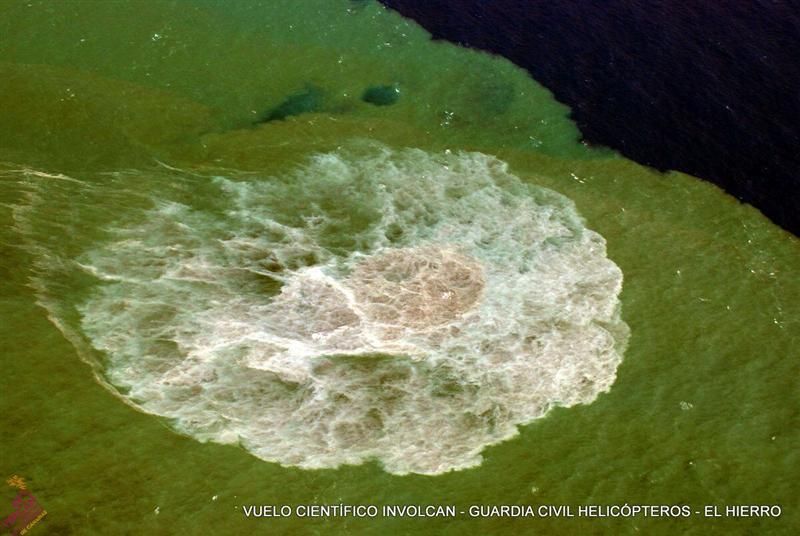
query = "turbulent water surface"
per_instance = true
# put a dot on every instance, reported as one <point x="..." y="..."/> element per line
<point x="397" y="306"/>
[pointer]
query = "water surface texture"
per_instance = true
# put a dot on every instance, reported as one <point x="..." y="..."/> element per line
<point x="706" y="88"/>
<point x="297" y="253"/>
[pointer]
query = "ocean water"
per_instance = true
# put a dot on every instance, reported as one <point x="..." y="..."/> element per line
<point x="707" y="89"/>
<point x="282" y="254"/>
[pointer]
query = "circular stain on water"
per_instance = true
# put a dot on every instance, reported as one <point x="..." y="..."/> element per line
<point x="418" y="308"/>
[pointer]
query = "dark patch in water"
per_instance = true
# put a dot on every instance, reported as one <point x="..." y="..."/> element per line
<point x="381" y="95"/>
<point x="494" y="97"/>
<point x="309" y="100"/>
<point x="708" y="88"/>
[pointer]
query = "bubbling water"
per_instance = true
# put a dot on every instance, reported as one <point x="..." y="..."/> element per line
<point x="390" y="305"/>
<point x="417" y="288"/>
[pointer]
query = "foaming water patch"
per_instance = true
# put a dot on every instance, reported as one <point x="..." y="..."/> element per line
<point x="375" y="304"/>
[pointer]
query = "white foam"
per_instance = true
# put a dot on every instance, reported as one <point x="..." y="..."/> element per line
<point x="390" y="305"/>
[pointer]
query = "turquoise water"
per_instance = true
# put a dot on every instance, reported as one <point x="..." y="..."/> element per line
<point x="280" y="254"/>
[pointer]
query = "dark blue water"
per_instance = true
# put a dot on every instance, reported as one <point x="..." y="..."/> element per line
<point x="711" y="88"/>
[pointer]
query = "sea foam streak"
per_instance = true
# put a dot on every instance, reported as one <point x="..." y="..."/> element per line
<point x="391" y="305"/>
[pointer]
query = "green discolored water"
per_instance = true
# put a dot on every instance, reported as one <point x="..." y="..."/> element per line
<point x="142" y="142"/>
